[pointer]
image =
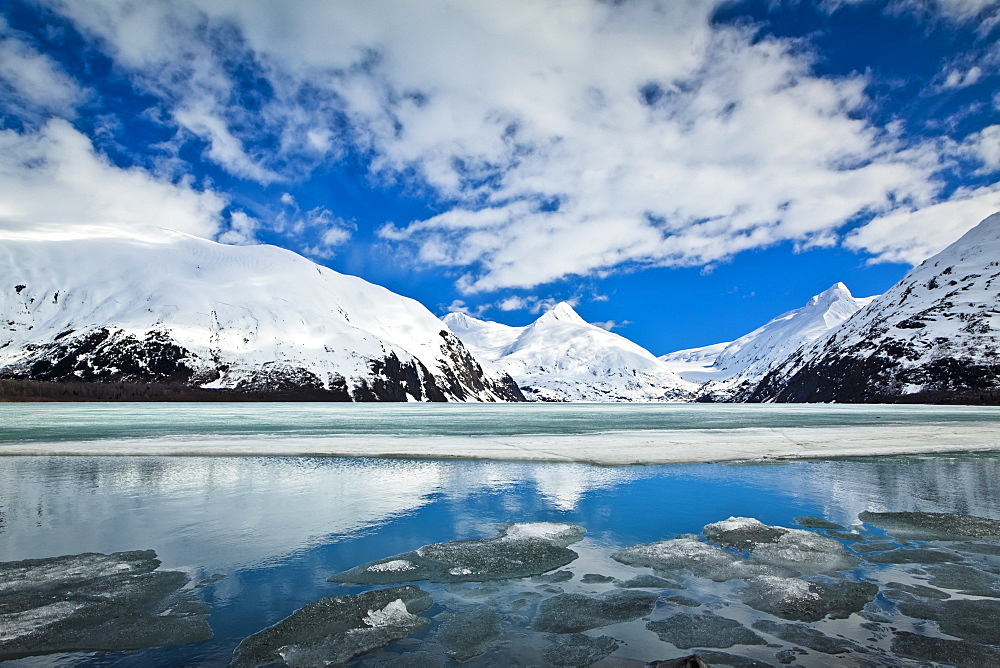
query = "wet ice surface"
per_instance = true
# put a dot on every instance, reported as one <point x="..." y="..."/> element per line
<point x="816" y="584"/>
<point x="336" y="629"/>
<point x="767" y="595"/>
<point x="94" y="601"/>
<point x="518" y="551"/>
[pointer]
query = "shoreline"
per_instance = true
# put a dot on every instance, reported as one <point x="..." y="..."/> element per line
<point x="622" y="448"/>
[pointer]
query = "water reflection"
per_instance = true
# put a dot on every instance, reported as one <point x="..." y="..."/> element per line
<point x="278" y="527"/>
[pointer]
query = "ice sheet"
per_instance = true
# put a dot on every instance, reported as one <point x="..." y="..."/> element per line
<point x="667" y="446"/>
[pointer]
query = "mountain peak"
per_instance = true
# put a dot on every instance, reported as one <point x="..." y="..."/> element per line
<point x="836" y="292"/>
<point x="562" y="312"/>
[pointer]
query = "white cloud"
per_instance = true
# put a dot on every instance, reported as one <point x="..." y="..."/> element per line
<point x="532" y="303"/>
<point x="984" y="146"/>
<point x="325" y="230"/>
<point x="53" y="183"/>
<point x="959" y="11"/>
<point x="911" y="236"/>
<point x="962" y="78"/>
<point x="611" y="324"/>
<point x="567" y="137"/>
<point x="242" y="230"/>
<point x="35" y="84"/>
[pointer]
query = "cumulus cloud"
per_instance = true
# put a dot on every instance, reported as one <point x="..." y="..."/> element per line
<point x="54" y="183"/>
<point x="32" y="85"/>
<point x="242" y="230"/>
<point x="317" y="230"/>
<point x="560" y="138"/>
<point x="911" y="236"/>
<point x="611" y="324"/>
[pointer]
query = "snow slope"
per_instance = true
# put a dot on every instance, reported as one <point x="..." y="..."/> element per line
<point x="561" y="357"/>
<point x="164" y="307"/>
<point x="728" y="368"/>
<point x="934" y="336"/>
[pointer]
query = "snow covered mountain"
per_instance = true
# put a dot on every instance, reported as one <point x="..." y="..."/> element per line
<point x="729" y="369"/>
<point x="561" y="357"/>
<point x="933" y="337"/>
<point x="166" y="311"/>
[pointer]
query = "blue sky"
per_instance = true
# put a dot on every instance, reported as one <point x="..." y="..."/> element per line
<point x="681" y="171"/>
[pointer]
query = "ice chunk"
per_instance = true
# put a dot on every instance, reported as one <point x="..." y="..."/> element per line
<point x="685" y="631"/>
<point x="596" y="578"/>
<point x="95" y="602"/>
<point x="469" y="633"/>
<point x="742" y="533"/>
<point x="554" y="532"/>
<point x="576" y="649"/>
<point x="394" y="614"/>
<point x="804" y="552"/>
<point x="968" y="619"/>
<point x="967" y="579"/>
<point x="940" y="650"/>
<point x="572" y="613"/>
<point x="648" y="582"/>
<point x="521" y="550"/>
<point x="690" y="554"/>
<point x="810" y="522"/>
<point x="920" y="555"/>
<point x="796" y="599"/>
<point x="934" y="526"/>
<point x="393" y="566"/>
<point x="898" y="589"/>
<point x="336" y="629"/>
<point x="800" y="634"/>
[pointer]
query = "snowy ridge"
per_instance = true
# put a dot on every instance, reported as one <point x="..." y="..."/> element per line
<point x="727" y="369"/>
<point x="561" y="357"/>
<point x="932" y="337"/>
<point x="161" y="306"/>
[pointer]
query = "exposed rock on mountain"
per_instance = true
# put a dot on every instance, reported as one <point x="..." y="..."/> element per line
<point x="932" y="338"/>
<point x="159" y="314"/>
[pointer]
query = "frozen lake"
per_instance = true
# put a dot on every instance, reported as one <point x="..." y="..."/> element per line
<point x="593" y="433"/>
<point x="259" y="536"/>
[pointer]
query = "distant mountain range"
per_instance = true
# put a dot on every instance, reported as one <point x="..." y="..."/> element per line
<point x="561" y="357"/>
<point x="162" y="315"/>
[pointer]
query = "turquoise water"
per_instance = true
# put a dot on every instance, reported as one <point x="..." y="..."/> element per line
<point x="59" y="422"/>
<point x="276" y="528"/>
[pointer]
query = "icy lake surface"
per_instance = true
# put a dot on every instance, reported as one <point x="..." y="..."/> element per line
<point x="592" y="433"/>
<point x="660" y="571"/>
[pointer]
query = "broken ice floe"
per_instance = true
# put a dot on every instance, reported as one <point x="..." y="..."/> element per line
<point x="520" y="550"/>
<point x="802" y="600"/>
<point x="577" y="649"/>
<point x="334" y="630"/>
<point x="91" y="601"/>
<point x="934" y="526"/>
<point x="469" y="633"/>
<point x="686" y="631"/>
<point x="572" y="613"/>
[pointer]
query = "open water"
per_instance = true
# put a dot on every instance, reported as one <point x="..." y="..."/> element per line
<point x="259" y="536"/>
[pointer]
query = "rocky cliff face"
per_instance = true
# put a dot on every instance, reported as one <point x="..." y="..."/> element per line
<point x="934" y="337"/>
<point x="183" y="316"/>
